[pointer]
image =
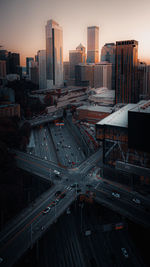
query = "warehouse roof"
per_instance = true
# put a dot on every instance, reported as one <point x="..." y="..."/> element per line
<point x="96" y="108"/>
<point x="118" y="118"/>
<point x="143" y="106"/>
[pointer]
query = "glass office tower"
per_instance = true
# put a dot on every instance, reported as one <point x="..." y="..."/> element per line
<point x="54" y="54"/>
<point x="127" y="72"/>
<point x="93" y="44"/>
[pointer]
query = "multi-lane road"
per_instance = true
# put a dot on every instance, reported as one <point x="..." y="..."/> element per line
<point x="71" y="182"/>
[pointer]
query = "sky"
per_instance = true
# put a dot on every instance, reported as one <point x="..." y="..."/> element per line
<point x="22" y="23"/>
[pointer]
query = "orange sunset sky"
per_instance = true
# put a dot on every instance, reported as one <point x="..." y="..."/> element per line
<point x="22" y="23"/>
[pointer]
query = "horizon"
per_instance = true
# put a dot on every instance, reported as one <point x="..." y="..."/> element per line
<point x="23" y="24"/>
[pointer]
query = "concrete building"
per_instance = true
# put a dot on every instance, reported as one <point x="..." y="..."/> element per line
<point x="103" y="97"/>
<point x="75" y="57"/>
<point x="94" y="75"/>
<point x="103" y="75"/>
<point x="93" y="44"/>
<point x="127" y="72"/>
<point x="66" y="70"/>
<point x="28" y="59"/>
<point x="148" y="80"/>
<point x="125" y="136"/>
<point x="10" y="110"/>
<point x="93" y="114"/>
<point x="84" y="75"/>
<point x="42" y="69"/>
<point x="2" y="69"/>
<point x="14" y="62"/>
<point x="54" y="54"/>
<point x="34" y="72"/>
<point x="108" y="53"/>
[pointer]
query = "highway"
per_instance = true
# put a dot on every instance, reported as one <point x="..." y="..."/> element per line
<point x="24" y="233"/>
<point x="67" y="245"/>
<point x="74" y="179"/>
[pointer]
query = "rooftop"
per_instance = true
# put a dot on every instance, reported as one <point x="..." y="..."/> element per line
<point x="96" y="108"/>
<point x="120" y="117"/>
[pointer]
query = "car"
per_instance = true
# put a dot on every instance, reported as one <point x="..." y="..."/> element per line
<point x="57" y="200"/>
<point x="1" y="259"/>
<point x="68" y="211"/>
<point x="45" y="157"/>
<point x="62" y="195"/>
<point x="56" y="172"/>
<point x="125" y="253"/>
<point x="46" y="210"/>
<point x="136" y="200"/>
<point x="74" y="185"/>
<point x="115" y="194"/>
<point x="57" y="193"/>
<point x="69" y="146"/>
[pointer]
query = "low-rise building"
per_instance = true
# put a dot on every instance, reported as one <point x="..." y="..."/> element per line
<point x="92" y="114"/>
<point x="10" y="110"/>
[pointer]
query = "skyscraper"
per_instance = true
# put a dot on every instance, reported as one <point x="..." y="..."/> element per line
<point x="93" y="44"/>
<point x="28" y="59"/>
<point x="54" y="54"/>
<point x="75" y="57"/>
<point x="108" y="53"/>
<point x="42" y="69"/>
<point x="126" y="71"/>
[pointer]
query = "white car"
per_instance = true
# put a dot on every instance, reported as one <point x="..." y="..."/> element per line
<point x="56" y="172"/>
<point x="117" y="195"/>
<point x="45" y="157"/>
<point x="136" y="200"/>
<point x="125" y="253"/>
<point x="46" y="210"/>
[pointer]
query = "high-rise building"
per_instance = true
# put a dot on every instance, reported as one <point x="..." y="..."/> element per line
<point x="84" y="75"/>
<point x="14" y="62"/>
<point x="108" y="53"/>
<point x="42" y="69"/>
<point x="103" y="75"/>
<point x="142" y="80"/>
<point x="28" y="59"/>
<point x="126" y="71"/>
<point x="75" y="57"/>
<point x="34" y="72"/>
<point x="54" y="54"/>
<point x="66" y="70"/>
<point x="93" y="44"/>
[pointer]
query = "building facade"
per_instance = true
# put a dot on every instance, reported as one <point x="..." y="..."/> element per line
<point x="54" y="54"/>
<point x="75" y="57"/>
<point x="93" y="44"/>
<point x="108" y="53"/>
<point x="103" y="75"/>
<point x="127" y="72"/>
<point x="28" y="59"/>
<point x="42" y="69"/>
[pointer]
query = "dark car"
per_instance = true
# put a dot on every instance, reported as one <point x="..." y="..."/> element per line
<point x="62" y="195"/>
<point x="57" y="193"/>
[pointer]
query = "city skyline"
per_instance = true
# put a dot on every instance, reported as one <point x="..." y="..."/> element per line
<point x="23" y="24"/>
